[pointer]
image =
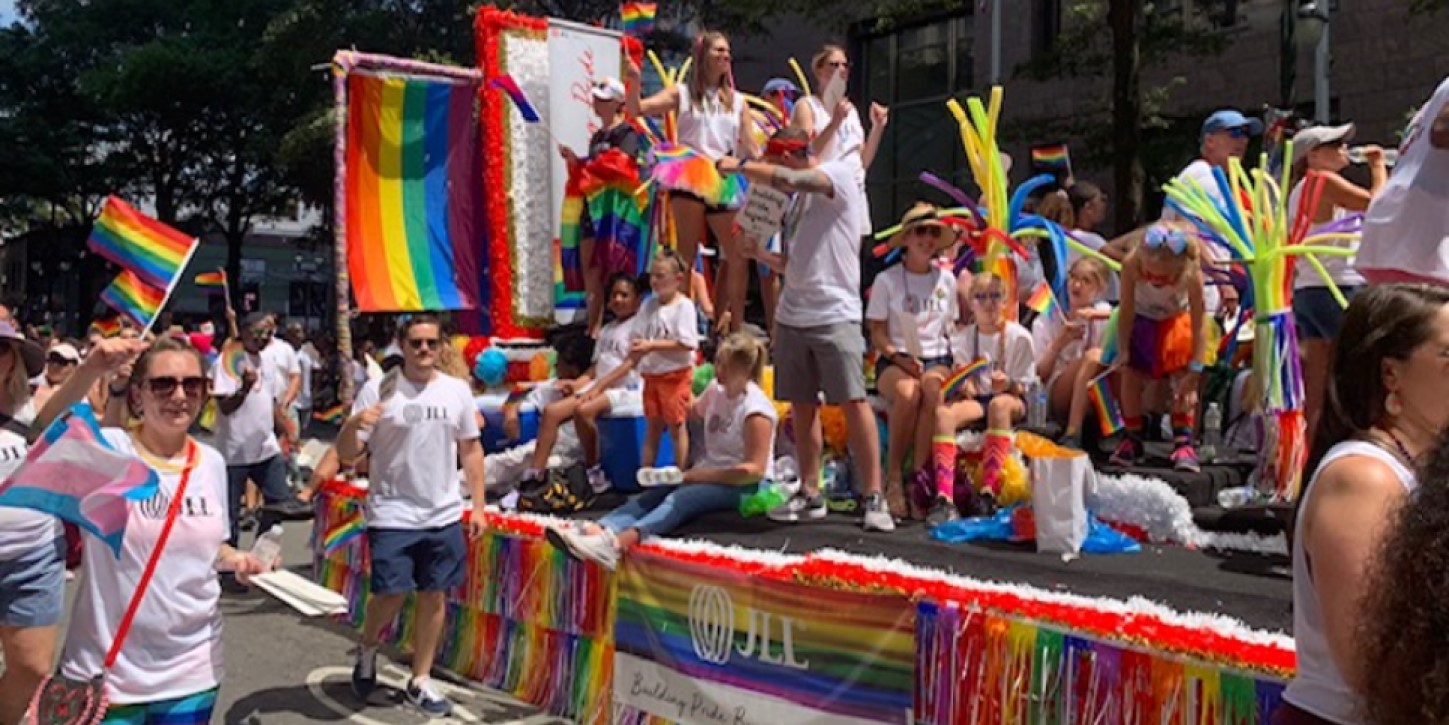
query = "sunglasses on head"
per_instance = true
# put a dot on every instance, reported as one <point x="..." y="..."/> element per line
<point x="58" y="360"/>
<point x="418" y="343"/>
<point x="193" y="387"/>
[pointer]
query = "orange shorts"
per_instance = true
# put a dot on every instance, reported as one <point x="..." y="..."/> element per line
<point x="667" y="397"/>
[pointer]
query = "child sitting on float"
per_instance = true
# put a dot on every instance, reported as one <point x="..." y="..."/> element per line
<point x="1069" y="345"/>
<point x="557" y="441"/>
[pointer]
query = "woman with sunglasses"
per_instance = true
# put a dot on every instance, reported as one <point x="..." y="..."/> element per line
<point x="836" y="133"/>
<point x="1323" y="150"/>
<point x="1159" y="334"/>
<point x="170" y="662"/>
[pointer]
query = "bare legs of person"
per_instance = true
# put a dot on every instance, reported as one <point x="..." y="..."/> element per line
<point x="863" y="438"/>
<point x="1315" y="354"/>
<point x="735" y="285"/>
<point x="678" y="436"/>
<point x="903" y="393"/>
<point x="28" y="652"/>
<point x="555" y="414"/>
<point x="586" y="424"/>
<point x="809" y="442"/>
<point x="689" y="225"/>
<point x="593" y="285"/>
<point x="1069" y="395"/>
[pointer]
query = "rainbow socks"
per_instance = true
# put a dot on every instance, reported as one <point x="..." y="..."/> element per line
<point x="993" y="460"/>
<point x="943" y="459"/>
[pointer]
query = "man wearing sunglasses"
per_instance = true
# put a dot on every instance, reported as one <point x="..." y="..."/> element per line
<point x="415" y="424"/>
<point x="60" y="361"/>
<point x="246" y="427"/>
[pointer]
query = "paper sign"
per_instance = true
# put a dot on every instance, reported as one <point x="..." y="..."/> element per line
<point x="763" y="212"/>
<point x="831" y="96"/>
<point x="310" y="599"/>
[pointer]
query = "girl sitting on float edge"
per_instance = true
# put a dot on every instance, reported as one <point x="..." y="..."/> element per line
<point x="994" y="394"/>
<point x="1159" y="334"/>
<point x="739" y="452"/>
<point x="1069" y="344"/>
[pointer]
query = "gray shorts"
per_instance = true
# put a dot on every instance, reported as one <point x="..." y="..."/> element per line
<point x="828" y="358"/>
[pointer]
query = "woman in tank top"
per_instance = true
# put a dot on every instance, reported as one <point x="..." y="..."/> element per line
<point x="712" y="120"/>
<point x="836" y="132"/>
<point x="1324" y="150"/>
<point x="1365" y="449"/>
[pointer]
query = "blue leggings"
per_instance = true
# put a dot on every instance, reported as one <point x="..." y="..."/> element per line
<point x="193" y="710"/>
<point x="662" y="510"/>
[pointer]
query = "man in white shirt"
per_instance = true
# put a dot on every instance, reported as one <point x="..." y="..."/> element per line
<point x="415" y="424"/>
<point x="308" y="360"/>
<point x="1406" y="228"/>
<point x="818" y="342"/>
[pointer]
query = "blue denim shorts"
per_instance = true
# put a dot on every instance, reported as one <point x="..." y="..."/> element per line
<point x="1317" y="314"/>
<point x="426" y="560"/>
<point x="32" y="588"/>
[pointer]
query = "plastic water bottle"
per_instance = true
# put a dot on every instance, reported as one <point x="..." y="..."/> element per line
<point x="268" y="547"/>
<point x="1036" y="404"/>
<point x="1356" y="155"/>
<point x="1212" y="432"/>
<point x="1237" y="497"/>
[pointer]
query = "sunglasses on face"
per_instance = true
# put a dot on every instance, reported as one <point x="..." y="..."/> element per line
<point x="984" y="297"/>
<point x="839" y="64"/>
<point x="923" y="230"/>
<point x="418" y="343"/>
<point x="58" y="360"/>
<point x="1237" y="133"/>
<point x="193" y="387"/>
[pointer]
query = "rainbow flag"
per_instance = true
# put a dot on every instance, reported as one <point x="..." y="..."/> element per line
<point x="1109" y="415"/>
<point x="212" y="281"/>
<point x="506" y="84"/>
<point x="954" y="384"/>
<point x="1052" y="156"/>
<point x="109" y="327"/>
<point x="131" y="296"/>
<point x="344" y="533"/>
<point x="414" y="219"/>
<point x="638" y="17"/>
<point x="1043" y="301"/>
<point x="72" y="473"/>
<point x="234" y="359"/>
<point x="335" y="414"/>
<point x="153" y="251"/>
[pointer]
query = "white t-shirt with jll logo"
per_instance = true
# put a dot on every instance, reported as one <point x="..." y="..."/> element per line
<point x="249" y="434"/>
<point x="724" y="425"/>
<point x="612" y="349"/>
<point x="929" y="298"/>
<point x="677" y="321"/>
<point x="174" y="648"/>
<point x="413" y="452"/>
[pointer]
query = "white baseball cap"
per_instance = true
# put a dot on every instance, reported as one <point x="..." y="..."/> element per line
<point x="608" y="88"/>
<point x="1314" y="136"/>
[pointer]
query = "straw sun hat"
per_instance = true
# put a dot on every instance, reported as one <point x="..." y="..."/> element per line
<point x="923" y="215"/>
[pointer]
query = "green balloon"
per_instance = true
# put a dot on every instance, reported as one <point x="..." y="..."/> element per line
<point x="703" y="376"/>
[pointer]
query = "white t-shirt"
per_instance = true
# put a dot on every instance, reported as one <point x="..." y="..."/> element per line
<point x="1046" y="328"/>
<point x="308" y="360"/>
<point x="1202" y="171"/>
<point x="22" y="531"/>
<point x="413" y="452"/>
<point x="174" y="649"/>
<point x="284" y="358"/>
<point x="1094" y="241"/>
<point x="846" y="145"/>
<point x="822" y="250"/>
<point x="1406" y="228"/>
<point x="677" y="321"/>
<point x="724" y="425"/>
<point x="1013" y="354"/>
<point x="612" y="349"/>
<point x="248" y="435"/>
<point x="930" y="298"/>
<point x="713" y="129"/>
<point x="1340" y="269"/>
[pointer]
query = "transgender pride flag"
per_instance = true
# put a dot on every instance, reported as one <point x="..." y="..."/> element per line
<point x="72" y="473"/>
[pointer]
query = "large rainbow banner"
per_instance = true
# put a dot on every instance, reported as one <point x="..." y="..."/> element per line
<point x="695" y="645"/>
<point x="413" y="193"/>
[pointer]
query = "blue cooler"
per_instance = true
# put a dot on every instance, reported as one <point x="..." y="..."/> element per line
<point x="491" y="406"/>
<point x="621" y="441"/>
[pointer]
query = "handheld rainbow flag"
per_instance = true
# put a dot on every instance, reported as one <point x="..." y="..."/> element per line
<point x="1043" y="301"/>
<point x="954" y="384"/>
<point x="638" y="17"/>
<point x="72" y="473"/>
<point x="509" y="86"/>
<point x="153" y="251"/>
<point x="234" y="359"/>
<point x="414" y="224"/>
<point x="1052" y="157"/>
<point x="107" y="328"/>
<point x="212" y="281"/>
<point x="1109" y="415"/>
<point x="335" y="414"/>
<point x="129" y="295"/>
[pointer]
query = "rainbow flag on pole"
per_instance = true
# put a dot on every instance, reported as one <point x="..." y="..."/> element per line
<point x="638" y="17"/>
<point x="1052" y="157"/>
<point x="153" y="251"/>
<point x="212" y="281"/>
<point x="509" y="86"/>
<point x="1043" y="301"/>
<point x="131" y="296"/>
<point x="1109" y="415"/>
<point x="413" y="189"/>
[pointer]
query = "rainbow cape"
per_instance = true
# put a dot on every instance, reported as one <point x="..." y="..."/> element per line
<point x="953" y="386"/>
<point x="606" y="188"/>
<point x="413" y="188"/>
<point x="131" y="296"/>
<point x="152" y="251"/>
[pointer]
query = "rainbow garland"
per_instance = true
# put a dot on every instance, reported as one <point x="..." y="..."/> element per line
<point x="537" y="625"/>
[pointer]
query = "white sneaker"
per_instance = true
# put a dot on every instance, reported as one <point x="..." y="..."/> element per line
<point x="422" y="695"/>
<point x="878" y="514"/>
<point x="800" y="508"/>
<point x="598" y="480"/>
<point x="599" y="547"/>
<point x="666" y="476"/>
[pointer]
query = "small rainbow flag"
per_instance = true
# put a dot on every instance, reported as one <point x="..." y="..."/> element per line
<point x="954" y="384"/>
<point x="129" y="295"/>
<point x="506" y="84"/>
<point x="212" y="281"/>
<point x="1043" y="301"/>
<point x="234" y="359"/>
<point x="1109" y="415"/>
<point x="107" y="328"/>
<point x="153" y="251"/>
<point x="1052" y="156"/>
<point x="638" y="17"/>
<point x="335" y="414"/>
<point x="343" y="534"/>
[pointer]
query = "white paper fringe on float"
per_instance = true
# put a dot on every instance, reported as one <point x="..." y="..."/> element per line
<point x="1163" y="513"/>
<point x="531" y="152"/>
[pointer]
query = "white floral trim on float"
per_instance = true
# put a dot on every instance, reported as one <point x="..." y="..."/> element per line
<point x="531" y="215"/>
<point x="1155" y="507"/>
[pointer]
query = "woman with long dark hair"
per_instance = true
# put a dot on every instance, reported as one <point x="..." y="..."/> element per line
<point x="1383" y="409"/>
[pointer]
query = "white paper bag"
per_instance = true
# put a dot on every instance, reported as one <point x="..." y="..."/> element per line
<point x="1059" y="501"/>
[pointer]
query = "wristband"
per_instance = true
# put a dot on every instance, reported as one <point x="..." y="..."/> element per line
<point x="1195" y="366"/>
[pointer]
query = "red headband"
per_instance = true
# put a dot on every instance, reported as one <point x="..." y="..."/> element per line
<point x="784" y="146"/>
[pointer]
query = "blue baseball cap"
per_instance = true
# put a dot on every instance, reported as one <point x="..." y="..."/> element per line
<point x="1230" y="118"/>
